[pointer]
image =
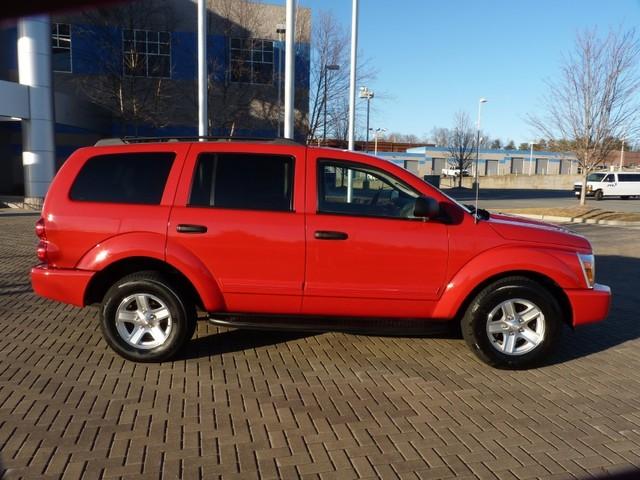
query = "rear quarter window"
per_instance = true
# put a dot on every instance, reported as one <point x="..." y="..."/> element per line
<point x="137" y="178"/>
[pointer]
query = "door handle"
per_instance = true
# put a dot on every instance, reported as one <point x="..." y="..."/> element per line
<point x="186" y="228"/>
<point x="329" y="235"/>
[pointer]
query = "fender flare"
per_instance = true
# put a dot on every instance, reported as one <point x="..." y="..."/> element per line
<point x="555" y="265"/>
<point x="152" y="245"/>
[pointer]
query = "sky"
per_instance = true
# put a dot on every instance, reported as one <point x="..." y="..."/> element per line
<point x="437" y="57"/>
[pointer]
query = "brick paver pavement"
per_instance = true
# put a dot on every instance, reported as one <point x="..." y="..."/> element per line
<point x="243" y="404"/>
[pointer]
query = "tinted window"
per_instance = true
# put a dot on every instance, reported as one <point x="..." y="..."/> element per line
<point x="609" y="178"/>
<point x="373" y="193"/>
<point x="628" y="177"/>
<point x="246" y="181"/>
<point x="123" y="178"/>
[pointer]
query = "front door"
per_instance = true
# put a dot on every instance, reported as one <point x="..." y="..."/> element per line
<point x="366" y="253"/>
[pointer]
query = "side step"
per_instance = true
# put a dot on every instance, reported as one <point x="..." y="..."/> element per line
<point x="374" y="326"/>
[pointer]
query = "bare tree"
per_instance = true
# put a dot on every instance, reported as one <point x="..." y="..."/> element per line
<point x="329" y="41"/>
<point x="440" y="136"/>
<point x="462" y="141"/>
<point x="133" y="86"/>
<point x="594" y="100"/>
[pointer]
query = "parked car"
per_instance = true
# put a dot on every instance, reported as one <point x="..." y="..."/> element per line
<point x="454" y="172"/>
<point x="613" y="184"/>
<point x="273" y="234"/>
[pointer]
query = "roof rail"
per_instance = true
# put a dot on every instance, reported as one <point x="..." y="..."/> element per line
<point x="129" y="140"/>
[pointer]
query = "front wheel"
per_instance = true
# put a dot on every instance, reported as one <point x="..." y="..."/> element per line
<point x="512" y="323"/>
<point x="599" y="195"/>
<point x="144" y="319"/>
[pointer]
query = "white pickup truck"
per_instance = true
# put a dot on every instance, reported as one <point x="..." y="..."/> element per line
<point x="454" y="172"/>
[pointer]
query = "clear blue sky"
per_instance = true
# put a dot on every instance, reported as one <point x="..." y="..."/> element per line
<point x="436" y="57"/>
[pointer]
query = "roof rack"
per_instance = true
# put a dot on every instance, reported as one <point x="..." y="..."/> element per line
<point x="129" y="140"/>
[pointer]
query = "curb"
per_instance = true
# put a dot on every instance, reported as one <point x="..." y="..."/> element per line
<point x="590" y="221"/>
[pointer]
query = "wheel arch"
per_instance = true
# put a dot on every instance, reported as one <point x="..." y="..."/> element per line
<point x="105" y="278"/>
<point x="545" y="281"/>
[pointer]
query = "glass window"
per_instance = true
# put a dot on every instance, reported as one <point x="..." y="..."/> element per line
<point x="251" y="61"/>
<point x="628" y="177"/>
<point x="146" y="53"/>
<point x="61" y="47"/>
<point x="595" y="177"/>
<point x="609" y="178"/>
<point x="373" y="193"/>
<point x="123" y="178"/>
<point x="243" y="180"/>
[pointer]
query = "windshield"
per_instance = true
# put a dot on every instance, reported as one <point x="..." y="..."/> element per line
<point x="595" y="177"/>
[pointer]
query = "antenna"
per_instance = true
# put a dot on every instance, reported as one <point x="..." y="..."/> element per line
<point x="480" y="102"/>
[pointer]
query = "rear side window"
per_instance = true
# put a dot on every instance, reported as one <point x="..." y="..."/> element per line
<point x="243" y="181"/>
<point x="628" y="177"/>
<point x="137" y="178"/>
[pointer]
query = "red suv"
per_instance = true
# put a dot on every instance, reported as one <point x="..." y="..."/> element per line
<point x="272" y="234"/>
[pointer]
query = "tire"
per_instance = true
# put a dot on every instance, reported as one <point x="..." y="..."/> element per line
<point x="599" y="195"/>
<point x="145" y="319"/>
<point x="512" y="343"/>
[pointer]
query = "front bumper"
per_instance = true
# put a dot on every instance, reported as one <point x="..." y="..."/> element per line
<point x="589" y="306"/>
<point x="63" y="285"/>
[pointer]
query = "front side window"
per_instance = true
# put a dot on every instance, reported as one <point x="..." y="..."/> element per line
<point x="61" y="47"/>
<point x="251" y="60"/>
<point x="136" y="178"/>
<point x="146" y="53"/>
<point x="609" y="179"/>
<point x="595" y="177"/>
<point x="243" y="181"/>
<point x="371" y="192"/>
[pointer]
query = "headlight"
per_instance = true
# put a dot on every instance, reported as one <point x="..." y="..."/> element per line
<point x="588" y="264"/>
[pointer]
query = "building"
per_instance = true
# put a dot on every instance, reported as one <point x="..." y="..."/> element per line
<point x="432" y="160"/>
<point x="131" y="69"/>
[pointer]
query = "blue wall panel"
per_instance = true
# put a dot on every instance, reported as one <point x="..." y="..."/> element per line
<point x="96" y="50"/>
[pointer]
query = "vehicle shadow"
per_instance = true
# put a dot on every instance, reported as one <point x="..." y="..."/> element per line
<point x="622" y="325"/>
<point x="228" y="341"/>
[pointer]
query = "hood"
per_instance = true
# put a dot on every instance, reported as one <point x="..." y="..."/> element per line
<point x="512" y="227"/>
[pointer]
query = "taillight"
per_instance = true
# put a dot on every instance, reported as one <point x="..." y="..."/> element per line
<point x="40" y="230"/>
<point x="41" y="250"/>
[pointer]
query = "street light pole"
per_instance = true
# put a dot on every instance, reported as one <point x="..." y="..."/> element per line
<point x="480" y="102"/>
<point x="375" y="138"/>
<point x="326" y="68"/>
<point x="368" y="95"/>
<point x="530" y="158"/>
<point x="280" y="30"/>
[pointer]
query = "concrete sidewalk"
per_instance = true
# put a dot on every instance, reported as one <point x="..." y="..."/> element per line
<point x="577" y="214"/>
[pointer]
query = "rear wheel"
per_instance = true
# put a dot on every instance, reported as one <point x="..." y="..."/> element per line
<point x="512" y="323"/>
<point x="143" y="318"/>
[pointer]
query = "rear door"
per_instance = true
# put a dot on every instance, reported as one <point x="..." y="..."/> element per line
<point x="238" y="210"/>
<point x="366" y="254"/>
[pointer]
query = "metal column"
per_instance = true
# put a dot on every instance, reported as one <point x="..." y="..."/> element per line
<point x="34" y="70"/>
<point x="289" y="69"/>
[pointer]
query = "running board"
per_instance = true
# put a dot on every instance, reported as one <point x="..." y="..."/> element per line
<point x="376" y="326"/>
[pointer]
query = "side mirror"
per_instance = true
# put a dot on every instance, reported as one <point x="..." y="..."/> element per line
<point x="426" y="207"/>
